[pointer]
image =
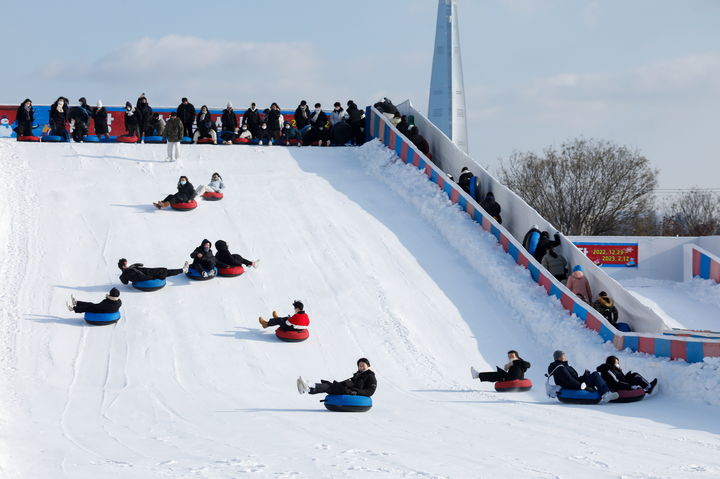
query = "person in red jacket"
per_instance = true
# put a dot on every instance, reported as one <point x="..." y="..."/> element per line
<point x="297" y="322"/>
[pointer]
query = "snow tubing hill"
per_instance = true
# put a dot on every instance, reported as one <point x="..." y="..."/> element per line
<point x="292" y="336"/>
<point x="347" y="403"/>
<point x="154" y="139"/>
<point x="149" y="285"/>
<point x="52" y="139"/>
<point x="197" y="275"/>
<point x="515" y="385"/>
<point x="190" y="205"/>
<point x="578" y="396"/>
<point x="100" y="319"/>
<point x="231" y="271"/>
<point x="28" y="138"/>
<point x="212" y="196"/>
<point x="629" y="395"/>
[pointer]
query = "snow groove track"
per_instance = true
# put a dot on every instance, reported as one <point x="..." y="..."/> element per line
<point x="188" y="385"/>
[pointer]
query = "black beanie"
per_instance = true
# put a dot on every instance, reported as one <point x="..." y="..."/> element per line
<point x="114" y="293"/>
<point x="298" y="304"/>
<point x="364" y="360"/>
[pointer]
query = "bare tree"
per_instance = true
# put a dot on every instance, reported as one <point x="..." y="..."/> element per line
<point x="587" y="187"/>
<point x="694" y="213"/>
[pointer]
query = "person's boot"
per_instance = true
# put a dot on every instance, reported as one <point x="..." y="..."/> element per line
<point x="275" y="315"/>
<point x="302" y="386"/>
<point x="186" y="267"/>
<point x="474" y="373"/>
<point x="262" y="322"/>
<point x="651" y="388"/>
<point x="164" y="204"/>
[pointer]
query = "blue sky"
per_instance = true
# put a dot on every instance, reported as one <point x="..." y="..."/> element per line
<point x="641" y="73"/>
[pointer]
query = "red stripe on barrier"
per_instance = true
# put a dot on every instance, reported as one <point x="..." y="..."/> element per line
<point x="592" y="322"/>
<point x="696" y="262"/>
<point x="619" y="342"/>
<point x="428" y="170"/>
<point x="441" y="182"/>
<point x="470" y="209"/>
<point x="404" y="151"/>
<point x="711" y="350"/>
<point x="545" y="282"/>
<point x="646" y="345"/>
<point x="486" y="225"/>
<point x="715" y="271"/>
<point x="505" y="242"/>
<point x="454" y="195"/>
<point x="393" y="137"/>
<point x="567" y="303"/>
<point x="523" y="260"/>
<point x="678" y="349"/>
<point x="416" y="159"/>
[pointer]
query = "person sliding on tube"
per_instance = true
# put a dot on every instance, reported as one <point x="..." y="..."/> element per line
<point x="617" y="380"/>
<point x="111" y="304"/>
<point x="216" y="185"/>
<point x="136" y="272"/>
<point x="203" y="259"/>
<point x="297" y="322"/>
<point x="228" y="260"/>
<point x="362" y="383"/>
<point x="513" y="370"/>
<point x="567" y="378"/>
<point x="186" y="192"/>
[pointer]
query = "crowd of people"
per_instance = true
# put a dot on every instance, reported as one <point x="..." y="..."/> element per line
<point x="401" y="122"/>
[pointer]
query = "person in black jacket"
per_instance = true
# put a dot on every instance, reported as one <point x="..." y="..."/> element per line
<point x="605" y="306"/>
<point x="567" y="378"/>
<point x="273" y="122"/>
<point x="302" y="115"/>
<point x="513" y="370"/>
<point x="464" y="179"/>
<point x="58" y="118"/>
<point x="362" y="383"/>
<point x="403" y="126"/>
<point x="111" y="304"/>
<point x="386" y="107"/>
<point x="204" y="260"/>
<point x="617" y="380"/>
<point x="186" y="112"/>
<point x="185" y="193"/>
<point x="79" y="117"/>
<point x="491" y="206"/>
<point x="132" y="121"/>
<point x="229" y="124"/>
<point x="356" y="119"/>
<point x="99" y="115"/>
<point x="418" y="140"/>
<point x="318" y="128"/>
<point x="145" y="116"/>
<point x="137" y="272"/>
<point x="225" y="259"/>
<point x="206" y="127"/>
<point x="545" y="243"/>
<point x="25" y="116"/>
<point x="251" y="118"/>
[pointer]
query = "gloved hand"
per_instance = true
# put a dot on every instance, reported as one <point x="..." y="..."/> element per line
<point x="583" y="386"/>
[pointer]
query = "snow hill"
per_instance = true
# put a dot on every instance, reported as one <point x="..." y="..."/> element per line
<point x="188" y="385"/>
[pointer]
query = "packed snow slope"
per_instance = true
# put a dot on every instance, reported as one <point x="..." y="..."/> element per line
<point x="188" y="385"/>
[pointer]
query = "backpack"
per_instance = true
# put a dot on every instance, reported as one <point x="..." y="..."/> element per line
<point x="552" y="389"/>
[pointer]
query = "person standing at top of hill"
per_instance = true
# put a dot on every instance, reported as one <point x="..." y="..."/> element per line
<point x="274" y="122"/>
<point x="173" y="134"/>
<point x="58" y="118"/>
<point x="229" y="124"/>
<point x="25" y="116"/>
<point x="99" y="115"/>
<point x="318" y="127"/>
<point x="132" y="121"/>
<point x="356" y="118"/>
<point x="338" y="114"/>
<point x="302" y="115"/>
<point x="186" y="112"/>
<point x="251" y="118"/>
<point x="145" y="116"/>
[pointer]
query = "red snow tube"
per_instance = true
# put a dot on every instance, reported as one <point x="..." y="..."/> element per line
<point x="231" y="271"/>
<point x="190" y="205"/>
<point x="28" y="138"/>
<point x="204" y="141"/>
<point x="212" y="196"/>
<point x="127" y="139"/>
<point x="292" y="336"/>
<point x="629" y="395"/>
<point x="513" y="386"/>
<point x="241" y="141"/>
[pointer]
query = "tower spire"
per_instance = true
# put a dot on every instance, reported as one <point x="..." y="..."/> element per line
<point x="447" y="92"/>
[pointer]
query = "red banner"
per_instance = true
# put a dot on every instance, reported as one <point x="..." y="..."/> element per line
<point x="611" y="254"/>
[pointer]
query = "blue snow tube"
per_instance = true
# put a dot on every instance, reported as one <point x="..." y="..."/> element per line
<point x="154" y="139"/>
<point x="624" y="327"/>
<point x="578" y="396"/>
<point x="108" y="139"/>
<point x="91" y="139"/>
<point x="347" y="403"/>
<point x="186" y="140"/>
<point x="52" y="139"/>
<point x="197" y="275"/>
<point x="101" y="319"/>
<point x="149" y="285"/>
<point x="534" y="238"/>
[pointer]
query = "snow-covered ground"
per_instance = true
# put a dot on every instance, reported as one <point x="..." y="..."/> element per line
<point x="187" y="385"/>
<point x="690" y="305"/>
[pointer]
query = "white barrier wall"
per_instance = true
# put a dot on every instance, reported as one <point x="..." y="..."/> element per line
<point x="518" y="217"/>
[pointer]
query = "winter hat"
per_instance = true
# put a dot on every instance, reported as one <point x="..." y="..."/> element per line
<point x="298" y="304"/>
<point x="229" y="105"/>
<point x="184" y="99"/>
<point x="364" y="360"/>
<point x="99" y="103"/>
<point x="602" y="293"/>
<point x="114" y="294"/>
<point x="121" y="261"/>
<point x="221" y="245"/>
<point x="558" y="354"/>
<point x="128" y="104"/>
<point x="577" y="267"/>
